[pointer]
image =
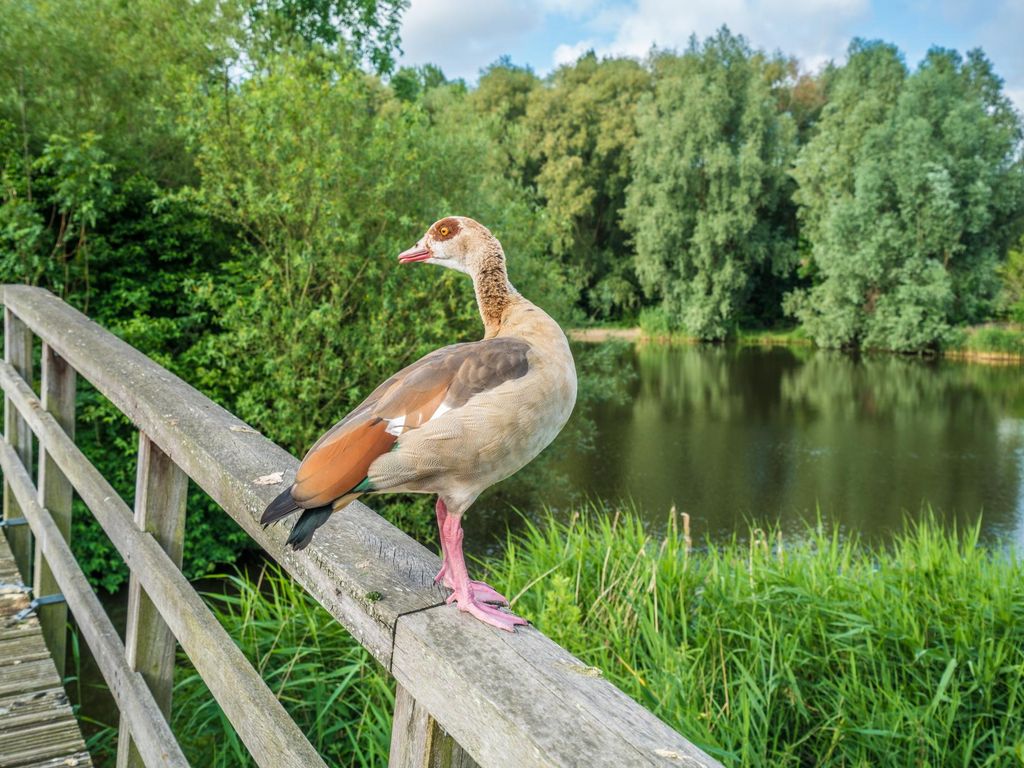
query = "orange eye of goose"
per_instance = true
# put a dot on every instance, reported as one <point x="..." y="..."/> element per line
<point x="444" y="231"/>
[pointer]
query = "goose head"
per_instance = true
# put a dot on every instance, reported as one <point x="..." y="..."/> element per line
<point x="456" y="242"/>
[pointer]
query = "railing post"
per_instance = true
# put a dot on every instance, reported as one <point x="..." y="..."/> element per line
<point x="18" y="352"/>
<point x="161" y="489"/>
<point x="55" y="495"/>
<point x="417" y="741"/>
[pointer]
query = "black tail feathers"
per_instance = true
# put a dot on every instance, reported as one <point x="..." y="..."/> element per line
<point x="280" y="507"/>
<point x="308" y="522"/>
<point x="306" y="525"/>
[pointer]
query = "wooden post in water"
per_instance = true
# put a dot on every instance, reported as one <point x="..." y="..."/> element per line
<point x="55" y="495"/>
<point x="161" y="489"/>
<point x="417" y="741"/>
<point x="18" y="352"/>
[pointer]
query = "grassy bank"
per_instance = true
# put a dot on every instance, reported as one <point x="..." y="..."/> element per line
<point x="984" y="343"/>
<point x="765" y="652"/>
<point x="821" y="652"/>
<point x="990" y="343"/>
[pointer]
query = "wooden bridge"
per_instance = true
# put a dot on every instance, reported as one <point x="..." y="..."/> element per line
<point x="466" y="694"/>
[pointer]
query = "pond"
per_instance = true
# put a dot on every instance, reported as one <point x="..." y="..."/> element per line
<point x="775" y="434"/>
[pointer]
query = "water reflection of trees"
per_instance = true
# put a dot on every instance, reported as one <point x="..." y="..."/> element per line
<point x="728" y="433"/>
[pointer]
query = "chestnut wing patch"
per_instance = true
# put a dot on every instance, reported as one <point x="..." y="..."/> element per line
<point x="451" y="376"/>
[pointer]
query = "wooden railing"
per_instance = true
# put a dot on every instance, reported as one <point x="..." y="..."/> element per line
<point x="466" y="693"/>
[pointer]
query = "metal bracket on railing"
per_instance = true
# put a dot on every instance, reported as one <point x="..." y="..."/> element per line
<point x="36" y="604"/>
<point x="10" y="523"/>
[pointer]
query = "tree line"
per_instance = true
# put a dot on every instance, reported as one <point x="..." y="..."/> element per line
<point x="225" y="183"/>
<point x="721" y="187"/>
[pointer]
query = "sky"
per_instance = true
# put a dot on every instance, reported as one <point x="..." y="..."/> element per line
<point x="464" y="36"/>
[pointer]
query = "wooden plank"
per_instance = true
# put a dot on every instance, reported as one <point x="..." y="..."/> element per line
<point x="534" y="697"/>
<point x="27" y="677"/>
<point x="20" y="710"/>
<point x="270" y="735"/>
<point x="37" y="726"/>
<point x="55" y="494"/>
<point x="146" y="722"/>
<point x="417" y="741"/>
<point x="500" y="696"/>
<point x="77" y="760"/>
<point x="160" y="494"/>
<point x="18" y="353"/>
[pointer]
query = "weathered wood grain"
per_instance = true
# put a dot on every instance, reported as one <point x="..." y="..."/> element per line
<point x="417" y="741"/>
<point x="37" y="726"/>
<point x="272" y="737"/>
<point x="507" y="699"/>
<point x="146" y="722"/>
<point x="161" y="489"/>
<point x="55" y="495"/>
<point x="18" y="353"/>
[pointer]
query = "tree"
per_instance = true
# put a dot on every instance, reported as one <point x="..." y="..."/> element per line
<point x="366" y="30"/>
<point x="908" y="193"/>
<point x="706" y="202"/>
<point x="329" y="176"/>
<point x="579" y="129"/>
<point x="1011" y="298"/>
<point x="501" y="98"/>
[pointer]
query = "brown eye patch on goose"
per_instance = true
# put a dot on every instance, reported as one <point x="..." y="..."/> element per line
<point x="446" y="229"/>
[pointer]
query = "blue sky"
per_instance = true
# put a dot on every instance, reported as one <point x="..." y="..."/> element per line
<point x="462" y="36"/>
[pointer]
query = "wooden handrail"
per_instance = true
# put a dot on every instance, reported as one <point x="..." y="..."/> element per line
<point x="146" y="725"/>
<point x="272" y="737"/>
<point x="506" y="699"/>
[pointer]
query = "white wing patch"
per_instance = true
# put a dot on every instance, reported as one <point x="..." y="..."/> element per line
<point x="396" y="426"/>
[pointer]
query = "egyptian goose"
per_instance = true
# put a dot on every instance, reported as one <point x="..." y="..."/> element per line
<point x="454" y="422"/>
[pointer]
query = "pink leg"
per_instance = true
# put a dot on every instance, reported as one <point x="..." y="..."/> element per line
<point x="442" y="514"/>
<point x="480" y="590"/>
<point x="466" y="594"/>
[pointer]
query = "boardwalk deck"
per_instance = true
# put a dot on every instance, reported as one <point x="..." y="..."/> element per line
<point x="37" y="727"/>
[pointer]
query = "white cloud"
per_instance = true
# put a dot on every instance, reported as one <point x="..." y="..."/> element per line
<point x="461" y="36"/>
<point x="813" y="30"/>
<point x="567" y="54"/>
<point x="575" y="9"/>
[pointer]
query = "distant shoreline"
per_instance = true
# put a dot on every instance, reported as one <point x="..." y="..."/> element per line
<point x="593" y="335"/>
<point x="637" y="336"/>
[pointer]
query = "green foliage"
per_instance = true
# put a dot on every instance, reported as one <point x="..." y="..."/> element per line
<point x="364" y="30"/>
<point x="329" y="177"/>
<point x="706" y="203"/>
<point x="110" y="68"/>
<point x="817" y="652"/>
<point x="1011" y="273"/>
<point x="411" y="83"/>
<point x="501" y="97"/>
<point x="225" y="184"/>
<point x="579" y="130"/>
<point x="993" y="338"/>
<point x="330" y="685"/>
<point x="909" y="189"/>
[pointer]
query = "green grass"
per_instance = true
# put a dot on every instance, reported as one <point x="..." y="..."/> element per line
<point x="1007" y="340"/>
<point x="340" y="697"/>
<point x="819" y="652"/>
<point x="782" y="336"/>
<point x="764" y="652"/>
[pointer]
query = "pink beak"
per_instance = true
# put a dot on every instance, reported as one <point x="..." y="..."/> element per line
<point x="416" y="253"/>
